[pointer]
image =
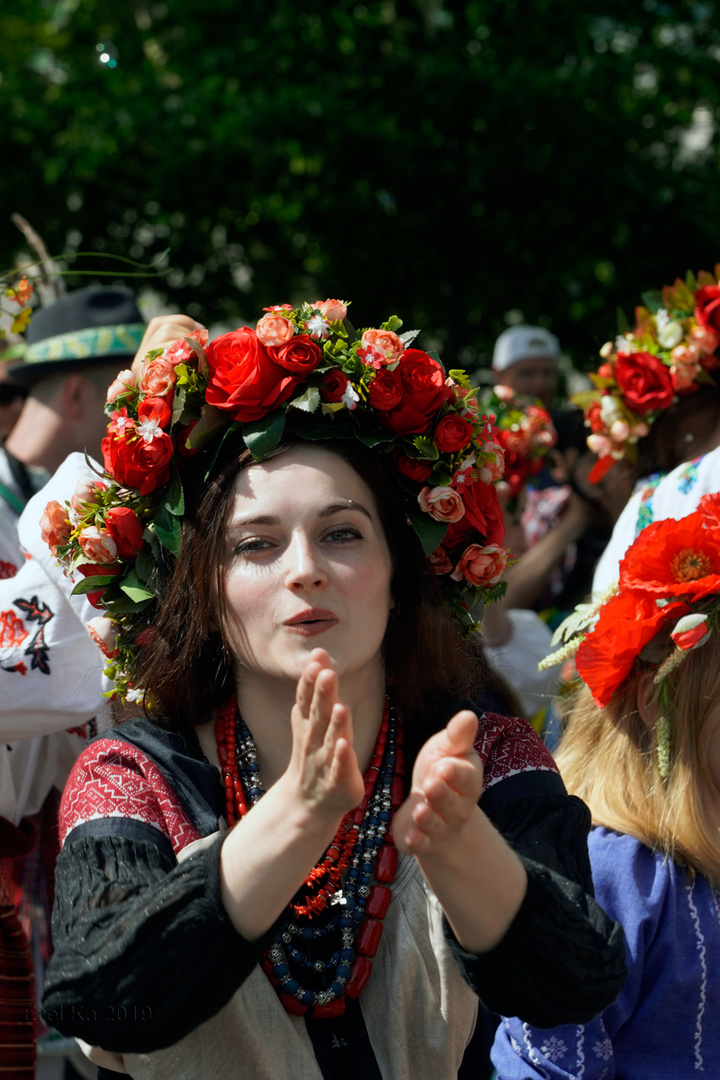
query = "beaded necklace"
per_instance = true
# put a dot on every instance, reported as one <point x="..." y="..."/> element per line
<point x="322" y="953"/>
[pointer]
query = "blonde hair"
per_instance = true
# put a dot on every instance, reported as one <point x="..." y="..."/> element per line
<point x="608" y="757"/>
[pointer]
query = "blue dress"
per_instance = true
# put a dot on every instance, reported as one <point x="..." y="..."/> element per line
<point x="665" y="1023"/>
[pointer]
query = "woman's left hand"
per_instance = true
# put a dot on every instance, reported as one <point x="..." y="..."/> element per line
<point x="447" y="783"/>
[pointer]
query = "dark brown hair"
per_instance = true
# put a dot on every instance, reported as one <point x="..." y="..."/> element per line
<point x="187" y="667"/>
<point x="686" y="430"/>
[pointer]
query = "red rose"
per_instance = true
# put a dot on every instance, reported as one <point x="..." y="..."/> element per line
<point x="413" y="468"/>
<point x="334" y="385"/>
<point x="93" y="570"/>
<point x="300" y="354"/>
<point x="155" y="408"/>
<point x="385" y="391"/>
<point x="644" y="381"/>
<point x="243" y="379"/>
<point x="483" y="513"/>
<point x="138" y="464"/>
<point x="124" y="526"/>
<point x="707" y="307"/>
<point x="453" y="433"/>
<point x="424" y="393"/>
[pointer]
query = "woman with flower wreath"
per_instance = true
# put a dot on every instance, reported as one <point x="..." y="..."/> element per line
<point x="642" y="748"/>
<point x="654" y="412"/>
<point x="308" y="856"/>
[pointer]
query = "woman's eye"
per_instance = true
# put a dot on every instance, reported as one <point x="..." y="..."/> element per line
<point x="343" y="535"/>
<point x="251" y="545"/>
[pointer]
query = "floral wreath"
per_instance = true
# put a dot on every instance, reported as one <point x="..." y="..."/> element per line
<point x="525" y="431"/>
<point x="671" y="571"/>
<point x="303" y="370"/>
<point x="670" y="352"/>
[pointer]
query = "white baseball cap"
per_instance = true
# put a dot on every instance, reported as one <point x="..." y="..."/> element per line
<point x="521" y="343"/>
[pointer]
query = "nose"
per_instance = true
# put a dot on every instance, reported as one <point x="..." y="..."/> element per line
<point x="304" y="566"/>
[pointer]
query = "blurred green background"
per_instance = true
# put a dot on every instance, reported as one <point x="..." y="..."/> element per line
<point x="465" y="165"/>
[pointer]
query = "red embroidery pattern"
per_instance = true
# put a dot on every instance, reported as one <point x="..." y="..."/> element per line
<point x="12" y="630"/>
<point x="508" y="745"/>
<point x="7" y="569"/>
<point x="114" y="779"/>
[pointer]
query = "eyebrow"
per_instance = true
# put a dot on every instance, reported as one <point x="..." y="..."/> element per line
<point x="326" y="512"/>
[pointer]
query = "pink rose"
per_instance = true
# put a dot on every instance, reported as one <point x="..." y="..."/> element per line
<point x="159" y="378"/>
<point x="86" y="491"/>
<point x="124" y="382"/>
<point x="481" y="565"/>
<point x="705" y="339"/>
<point x="274" y="329"/>
<point x="439" y="561"/>
<point x="102" y="631"/>
<point x="385" y="342"/>
<point x="55" y="527"/>
<point x="98" y="545"/>
<point x="332" y="310"/>
<point x="441" y="503"/>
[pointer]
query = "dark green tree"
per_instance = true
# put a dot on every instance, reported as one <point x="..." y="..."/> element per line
<point x="451" y="162"/>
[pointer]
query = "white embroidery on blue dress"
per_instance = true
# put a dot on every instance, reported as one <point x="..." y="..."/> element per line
<point x="581" y="1051"/>
<point x="603" y="1049"/>
<point x="700" y="945"/>
<point x="554" y="1048"/>
<point x="532" y="1052"/>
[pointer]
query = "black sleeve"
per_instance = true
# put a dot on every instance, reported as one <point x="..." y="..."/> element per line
<point x="562" y="960"/>
<point x="144" y="949"/>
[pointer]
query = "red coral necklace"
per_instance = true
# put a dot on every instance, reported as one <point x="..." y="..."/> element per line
<point x="333" y="927"/>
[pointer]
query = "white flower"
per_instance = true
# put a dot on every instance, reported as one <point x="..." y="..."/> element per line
<point x="610" y="409"/>
<point x="317" y="327"/>
<point x="624" y="345"/>
<point x="670" y="334"/>
<point x="149" y="429"/>
<point x="350" y="397"/>
<point x="134" y="695"/>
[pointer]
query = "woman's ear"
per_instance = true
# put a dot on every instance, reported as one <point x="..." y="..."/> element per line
<point x="647" y="699"/>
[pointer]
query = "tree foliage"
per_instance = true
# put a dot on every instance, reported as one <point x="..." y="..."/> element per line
<point x="451" y="162"/>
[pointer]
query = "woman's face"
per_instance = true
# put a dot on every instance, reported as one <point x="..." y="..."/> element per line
<point x="306" y="566"/>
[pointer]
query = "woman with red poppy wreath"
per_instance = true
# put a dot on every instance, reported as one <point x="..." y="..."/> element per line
<point x="655" y="411"/>
<point x="305" y="855"/>
<point x="642" y="749"/>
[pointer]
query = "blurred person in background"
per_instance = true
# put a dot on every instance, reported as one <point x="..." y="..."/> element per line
<point x="525" y="359"/>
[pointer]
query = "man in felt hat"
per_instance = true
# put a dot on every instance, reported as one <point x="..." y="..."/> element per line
<point x="525" y="358"/>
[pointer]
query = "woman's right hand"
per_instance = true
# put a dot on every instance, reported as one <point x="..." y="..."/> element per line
<point x="323" y="765"/>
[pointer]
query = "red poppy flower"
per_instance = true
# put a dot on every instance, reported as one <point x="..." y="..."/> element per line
<point x="628" y="621"/>
<point x="674" y="558"/>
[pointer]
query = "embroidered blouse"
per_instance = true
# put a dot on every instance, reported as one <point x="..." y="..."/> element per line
<point x="664" y="1023"/>
<point x="148" y="966"/>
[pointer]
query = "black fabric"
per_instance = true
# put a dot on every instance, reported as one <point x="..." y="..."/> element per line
<point x="342" y="1046"/>
<point x="532" y="973"/>
<point x="117" y="898"/>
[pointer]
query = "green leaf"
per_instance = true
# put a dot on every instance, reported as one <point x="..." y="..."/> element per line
<point x="426" y="448"/>
<point x="461" y="377"/>
<point x="653" y="301"/>
<point x="375" y="438"/>
<point x="262" y="437"/>
<point x="174" y="497"/>
<point x="307" y="402"/>
<point x="436" y="357"/>
<point x="134" y="588"/>
<point x="393" y="323"/>
<point x="167" y="529"/>
<point x="431" y="533"/>
<point x="125" y="605"/>
<point x="93" y="584"/>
